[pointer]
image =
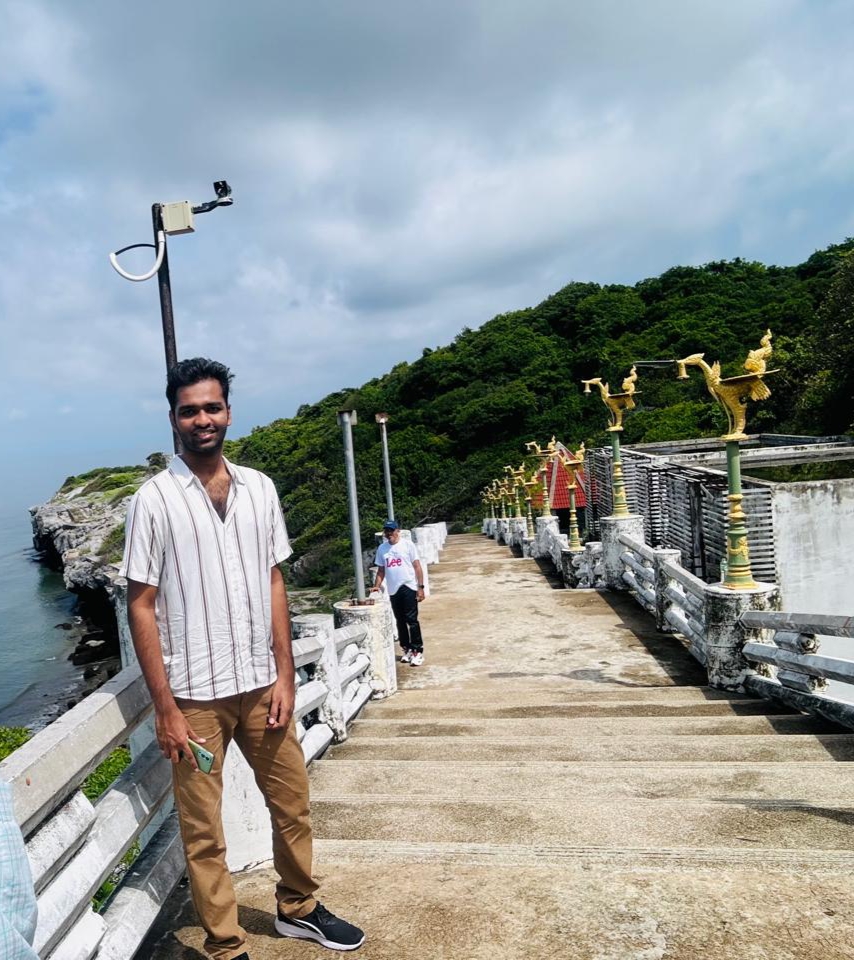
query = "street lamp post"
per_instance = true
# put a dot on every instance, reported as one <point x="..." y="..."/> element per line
<point x="732" y="393"/>
<point x="170" y="219"/>
<point x="572" y="465"/>
<point x="617" y="404"/>
<point x="346" y="419"/>
<point x="382" y="420"/>
<point x="545" y="457"/>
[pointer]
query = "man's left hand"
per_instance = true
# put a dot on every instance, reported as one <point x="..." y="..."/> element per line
<point x="281" y="705"/>
<point x="420" y="595"/>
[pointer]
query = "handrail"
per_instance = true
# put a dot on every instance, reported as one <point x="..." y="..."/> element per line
<point x="74" y="845"/>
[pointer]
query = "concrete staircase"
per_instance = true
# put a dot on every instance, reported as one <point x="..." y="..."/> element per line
<point x="557" y="781"/>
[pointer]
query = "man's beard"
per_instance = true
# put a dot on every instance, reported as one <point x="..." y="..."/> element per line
<point x="190" y="442"/>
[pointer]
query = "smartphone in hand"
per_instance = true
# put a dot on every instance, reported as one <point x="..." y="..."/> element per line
<point x="204" y="758"/>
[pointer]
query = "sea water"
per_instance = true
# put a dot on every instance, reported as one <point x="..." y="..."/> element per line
<point x="35" y="673"/>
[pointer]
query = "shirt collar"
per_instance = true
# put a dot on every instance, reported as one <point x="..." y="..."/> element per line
<point x="186" y="475"/>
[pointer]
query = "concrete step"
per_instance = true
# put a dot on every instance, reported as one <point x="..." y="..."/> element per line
<point x="583" y="727"/>
<point x="585" y="910"/>
<point x="817" y="782"/>
<point x="403" y="709"/>
<point x="770" y="748"/>
<point x="566" y="857"/>
<point x="598" y="822"/>
<point x="486" y="691"/>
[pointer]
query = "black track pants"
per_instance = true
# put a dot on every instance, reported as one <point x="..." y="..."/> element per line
<point x="404" y="603"/>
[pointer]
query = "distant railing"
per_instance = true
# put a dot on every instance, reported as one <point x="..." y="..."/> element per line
<point x="74" y="845"/>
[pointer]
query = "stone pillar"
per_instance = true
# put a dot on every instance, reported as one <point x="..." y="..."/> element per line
<point x="612" y="549"/>
<point x="502" y="531"/>
<point x="378" y="622"/>
<point x="321" y="626"/>
<point x="661" y="581"/>
<point x="569" y="567"/>
<point x="519" y="532"/>
<point x="547" y="530"/>
<point x="592" y="556"/>
<point x="725" y="637"/>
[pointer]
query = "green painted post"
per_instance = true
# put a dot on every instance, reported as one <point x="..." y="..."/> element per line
<point x="621" y="506"/>
<point x="574" y="538"/>
<point x="739" y="575"/>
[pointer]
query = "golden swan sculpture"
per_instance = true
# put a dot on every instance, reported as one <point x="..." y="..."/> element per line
<point x="732" y="393"/>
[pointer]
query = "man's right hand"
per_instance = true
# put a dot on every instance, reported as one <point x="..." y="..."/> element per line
<point x="173" y="731"/>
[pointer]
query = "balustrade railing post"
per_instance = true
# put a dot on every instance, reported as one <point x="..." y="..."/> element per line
<point x="662" y="579"/>
<point x="725" y="636"/>
<point x="612" y="549"/>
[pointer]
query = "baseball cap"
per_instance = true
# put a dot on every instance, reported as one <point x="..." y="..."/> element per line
<point x="391" y="525"/>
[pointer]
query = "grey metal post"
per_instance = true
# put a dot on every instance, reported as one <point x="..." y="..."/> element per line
<point x="345" y="420"/>
<point x="382" y="419"/>
<point x="167" y="317"/>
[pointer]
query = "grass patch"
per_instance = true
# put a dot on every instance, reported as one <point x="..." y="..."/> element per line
<point x="113" y="546"/>
<point x="78" y="480"/>
<point x="114" y="481"/>
<point x="11" y="738"/>
<point x="122" y="492"/>
<point x="100" y="779"/>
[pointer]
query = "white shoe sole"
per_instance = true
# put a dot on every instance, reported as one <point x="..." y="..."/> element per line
<point x="300" y="933"/>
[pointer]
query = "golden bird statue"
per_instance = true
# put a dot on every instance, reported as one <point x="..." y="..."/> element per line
<point x="617" y="403"/>
<point x="732" y="393"/>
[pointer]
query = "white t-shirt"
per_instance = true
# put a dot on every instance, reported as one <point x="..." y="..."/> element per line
<point x="398" y="559"/>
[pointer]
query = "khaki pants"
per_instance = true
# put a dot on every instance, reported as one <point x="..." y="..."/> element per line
<point x="277" y="761"/>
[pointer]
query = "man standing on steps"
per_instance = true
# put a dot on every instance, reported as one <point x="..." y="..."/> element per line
<point x="208" y="612"/>
<point x="398" y="564"/>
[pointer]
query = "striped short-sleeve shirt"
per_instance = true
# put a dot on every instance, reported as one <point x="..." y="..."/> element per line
<point x="213" y="577"/>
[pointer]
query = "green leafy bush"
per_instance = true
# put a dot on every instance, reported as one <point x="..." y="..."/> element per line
<point x="11" y="738"/>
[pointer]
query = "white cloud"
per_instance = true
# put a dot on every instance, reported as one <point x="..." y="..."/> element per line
<point x="399" y="172"/>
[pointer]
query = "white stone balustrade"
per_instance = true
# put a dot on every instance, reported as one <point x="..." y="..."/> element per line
<point x="73" y="845"/>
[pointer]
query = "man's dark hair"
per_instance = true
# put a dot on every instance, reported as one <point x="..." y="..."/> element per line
<point x="187" y="372"/>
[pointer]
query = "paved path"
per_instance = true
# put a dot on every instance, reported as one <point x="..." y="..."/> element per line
<point x="556" y="781"/>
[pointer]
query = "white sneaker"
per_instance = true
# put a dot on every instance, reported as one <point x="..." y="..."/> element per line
<point x="417" y="658"/>
<point x="407" y="656"/>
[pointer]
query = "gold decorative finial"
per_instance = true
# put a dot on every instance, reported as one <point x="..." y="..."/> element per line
<point x="732" y="393"/>
<point x="617" y="403"/>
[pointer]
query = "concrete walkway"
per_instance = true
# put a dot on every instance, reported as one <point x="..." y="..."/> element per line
<point x="556" y="781"/>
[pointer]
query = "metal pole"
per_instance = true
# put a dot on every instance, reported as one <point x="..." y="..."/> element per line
<point x="618" y="485"/>
<point x="574" y="539"/>
<point x="387" y="473"/>
<point x="739" y="575"/>
<point x="167" y="317"/>
<point x="353" y="502"/>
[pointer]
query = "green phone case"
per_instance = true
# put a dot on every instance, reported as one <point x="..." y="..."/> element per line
<point x="204" y="758"/>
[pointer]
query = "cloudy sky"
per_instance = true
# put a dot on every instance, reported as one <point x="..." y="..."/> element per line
<point x="400" y="170"/>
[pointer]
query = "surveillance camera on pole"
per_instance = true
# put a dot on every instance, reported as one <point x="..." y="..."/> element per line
<point x="170" y="219"/>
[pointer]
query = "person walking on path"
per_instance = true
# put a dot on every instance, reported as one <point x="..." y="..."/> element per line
<point x="398" y="564"/>
<point x="208" y="612"/>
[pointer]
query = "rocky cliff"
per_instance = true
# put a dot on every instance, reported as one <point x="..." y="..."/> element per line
<point x="80" y="531"/>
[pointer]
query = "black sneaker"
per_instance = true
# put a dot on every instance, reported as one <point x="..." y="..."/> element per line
<point x="322" y="926"/>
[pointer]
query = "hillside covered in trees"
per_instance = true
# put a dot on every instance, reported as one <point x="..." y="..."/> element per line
<point x="462" y="411"/>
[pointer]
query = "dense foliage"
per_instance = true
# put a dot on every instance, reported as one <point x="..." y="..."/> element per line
<point x="462" y="411"/>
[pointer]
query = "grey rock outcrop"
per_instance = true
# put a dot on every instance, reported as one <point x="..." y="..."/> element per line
<point x="80" y="530"/>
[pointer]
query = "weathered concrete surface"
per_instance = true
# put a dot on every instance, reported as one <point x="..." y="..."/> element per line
<point x="557" y="781"/>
